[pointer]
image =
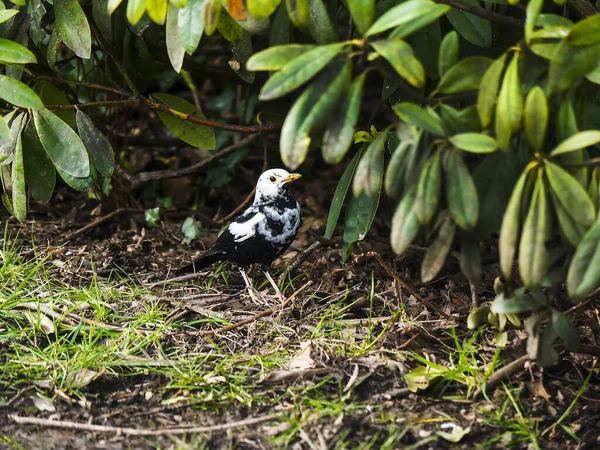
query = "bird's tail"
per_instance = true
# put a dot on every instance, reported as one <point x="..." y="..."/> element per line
<point x="204" y="261"/>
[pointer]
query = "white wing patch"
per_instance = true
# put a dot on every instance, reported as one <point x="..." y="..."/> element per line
<point x="242" y="231"/>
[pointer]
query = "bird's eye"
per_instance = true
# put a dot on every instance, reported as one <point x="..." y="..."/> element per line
<point x="272" y="179"/>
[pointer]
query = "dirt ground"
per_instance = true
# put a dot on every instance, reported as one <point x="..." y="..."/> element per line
<point x="326" y="371"/>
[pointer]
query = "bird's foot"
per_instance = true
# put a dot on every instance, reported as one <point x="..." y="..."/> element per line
<point x="282" y="298"/>
<point x="253" y="293"/>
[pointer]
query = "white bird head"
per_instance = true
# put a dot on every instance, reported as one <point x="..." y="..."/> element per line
<point x="273" y="183"/>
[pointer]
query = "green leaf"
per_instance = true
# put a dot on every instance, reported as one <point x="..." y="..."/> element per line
<point x="509" y="232"/>
<point x="400" y="55"/>
<point x="175" y="49"/>
<point x="51" y="95"/>
<point x="586" y="31"/>
<point x="533" y="256"/>
<point x="40" y="174"/>
<point x="474" y="29"/>
<point x="466" y="75"/>
<point x="79" y="183"/>
<point x="569" y="64"/>
<point x="4" y="132"/>
<point x="477" y="316"/>
<point x="572" y="230"/>
<point x="191" y="230"/>
<point x="448" y="52"/>
<point x="298" y="12"/>
<point x="190" y="25"/>
<point x="519" y="303"/>
<point x="19" y="94"/>
<point x="211" y="12"/>
<point x="280" y="27"/>
<point x="62" y="145"/>
<point x="261" y="9"/>
<point x="536" y="117"/>
<point x="19" y="193"/>
<point x="457" y="122"/>
<point x="362" y="12"/>
<point x="470" y="260"/>
<point x="310" y="111"/>
<point x="584" y="272"/>
<point x="340" y="194"/>
<point x="571" y="194"/>
<point x="510" y="105"/>
<point x="8" y="147"/>
<point x="461" y="192"/>
<point x="7" y="14"/>
<point x="401" y="165"/>
<point x="488" y="93"/>
<point x="408" y="17"/>
<point x="135" y="10"/>
<point x="196" y="135"/>
<point x="369" y="173"/>
<point x="429" y="189"/>
<point x="474" y="142"/>
<point x="319" y="23"/>
<point x="416" y="116"/>
<point x="299" y="71"/>
<point x="359" y="218"/>
<point x="72" y="27"/>
<point x="340" y="128"/>
<point x="565" y="331"/>
<point x="436" y="254"/>
<point x="405" y="224"/>
<point x="14" y="53"/>
<point x="241" y="51"/>
<point x="566" y="122"/>
<point x="534" y="7"/>
<point x="578" y="141"/>
<point x="113" y="5"/>
<point x="274" y="58"/>
<point x="229" y="28"/>
<point x="157" y="10"/>
<point x="98" y="147"/>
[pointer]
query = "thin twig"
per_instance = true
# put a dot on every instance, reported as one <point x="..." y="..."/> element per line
<point x="103" y="104"/>
<point x="98" y="87"/>
<point x="103" y="219"/>
<point x="238" y="207"/>
<point x="139" y="431"/>
<point x="484" y="13"/>
<point x="502" y="373"/>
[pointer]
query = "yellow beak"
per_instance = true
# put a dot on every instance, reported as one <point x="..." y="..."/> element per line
<point x="292" y="177"/>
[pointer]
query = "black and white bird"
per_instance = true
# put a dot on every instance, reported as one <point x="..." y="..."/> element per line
<point x="261" y="233"/>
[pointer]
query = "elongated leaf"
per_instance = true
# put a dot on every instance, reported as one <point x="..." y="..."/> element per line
<point x="534" y="7"/>
<point x="190" y="25"/>
<point x="401" y="165"/>
<point x="340" y="195"/>
<point x="474" y="142"/>
<point x="448" y="53"/>
<point x="466" y="75"/>
<point x="509" y="232"/>
<point x="79" y="184"/>
<point x="4" y="132"/>
<point x="319" y="23"/>
<point x="416" y="116"/>
<point x="405" y="224"/>
<point x="533" y="256"/>
<point x="362" y="12"/>
<point x="19" y="193"/>
<point x="572" y="230"/>
<point x="565" y="331"/>
<point x="578" y="141"/>
<point x="7" y="14"/>
<point x="211" y="13"/>
<point x="98" y="147"/>
<point x="229" y="28"/>
<point x="274" y="58"/>
<point x="400" y="55"/>
<point x="51" y="95"/>
<point x="299" y="71"/>
<point x="510" y="105"/>
<point x="175" y="48"/>
<point x="571" y="194"/>
<point x="461" y="192"/>
<point x="436" y="254"/>
<point x="309" y="112"/>
<point x="488" y="93"/>
<point x="62" y="145"/>
<point x="429" y="189"/>
<point x="359" y="218"/>
<point x="8" y="147"/>
<point x="40" y="174"/>
<point x="470" y="260"/>
<point x="584" y="272"/>
<point x="369" y="173"/>
<point x="157" y="10"/>
<point x="569" y="64"/>
<point x="518" y="303"/>
<point x="19" y="94"/>
<point x="197" y="135"/>
<point x="14" y="53"/>
<point x="340" y="129"/>
<point x="72" y="27"/>
<point x="298" y="12"/>
<point x="135" y="10"/>
<point x="476" y="30"/>
<point x="113" y="5"/>
<point x="261" y="9"/>
<point x="408" y="17"/>
<point x="585" y="32"/>
<point x="536" y="117"/>
<point x="566" y="122"/>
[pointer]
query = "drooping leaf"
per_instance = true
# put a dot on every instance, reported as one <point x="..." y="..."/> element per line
<point x="476" y="30"/>
<point x="536" y="117"/>
<point x="280" y="27"/>
<point x="175" y="48"/>
<point x="488" y="93"/>
<point x="298" y="12"/>
<point x="466" y="75"/>
<point x="72" y="27"/>
<point x="362" y="12"/>
<point x="8" y="147"/>
<point x="509" y="232"/>
<point x="19" y="193"/>
<point x="585" y="32"/>
<point x="572" y="230"/>
<point x="518" y="303"/>
<point x="340" y="195"/>
<point x="359" y="218"/>
<point x="408" y="17"/>
<point x="569" y="64"/>
<point x="211" y="12"/>
<point x="320" y="26"/>
<point x="400" y="55"/>
<point x="429" y="189"/>
<point x="229" y="28"/>
<point x="157" y="10"/>
<point x="98" y="147"/>
<point x="470" y="260"/>
<point x="40" y="174"/>
<point x="533" y="256"/>
<point x="584" y="272"/>
<point x="534" y="7"/>
<point x="309" y="112"/>
<point x="461" y="192"/>
<point x="13" y="53"/>
<point x="474" y="142"/>
<point x="400" y="166"/>
<point x="405" y="224"/>
<point x="436" y="254"/>
<point x="197" y="135"/>
<point x="565" y="331"/>
<point x="578" y="141"/>
<point x="190" y="25"/>
<point x="51" y="95"/>
<point x="7" y="14"/>
<point x="448" y="53"/>
<point x="414" y="115"/>
<point x="510" y="105"/>
<point x="369" y="173"/>
<point x="4" y="132"/>
<point x="340" y="128"/>
<point x="571" y="194"/>
<point x="19" y="94"/>
<point x="79" y="183"/>
<point x="261" y="9"/>
<point x="62" y="144"/>
<point x="274" y="58"/>
<point x="299" y="71"/>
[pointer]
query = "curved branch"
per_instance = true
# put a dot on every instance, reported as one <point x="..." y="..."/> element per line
<point x="484" y="13"/>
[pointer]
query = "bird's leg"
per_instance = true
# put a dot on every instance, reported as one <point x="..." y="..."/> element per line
<point x="250" y="288"/>
<point x="279" y="294"/>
